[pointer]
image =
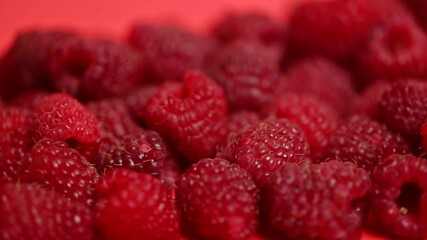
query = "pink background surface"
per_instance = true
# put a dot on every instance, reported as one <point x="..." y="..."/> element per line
<point x="112" y="18"/>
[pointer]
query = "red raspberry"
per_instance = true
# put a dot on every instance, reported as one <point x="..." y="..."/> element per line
<point x="142" y="151"/>
<point x="57" y="166"/>
<point x="92" y="69"/>
<point x="168" y="52"/>
<point x="316" y="119"/>
<point x="190" y="115"/>
<point x="29" y="99"/>
<point x="266" y="147"/>
<point x="403" y="107"/>
<point x="28" y="211"/>
<point x="252" y="25"/>
<point x="15" y="140"/>
<point x="315" y="202"/>
<point x="396" y="49"/>
<point x="218" y="200"/>
<point x="367" y="102"/>
<point x="137" y="100"/>
<point x="364" y="142"/>
<point x="23" y="66"/>
<point x="238" y="122"/>
<point x="114" y="118"/>
<point x="61" y="117"/>
<point x="134" y="205"/>
<point x="323" y="27"/>
<point x="398" y="198"/>
<point x="249" y="75"/>
<point x="322" y="79"/>
<point x="418" y="8"/>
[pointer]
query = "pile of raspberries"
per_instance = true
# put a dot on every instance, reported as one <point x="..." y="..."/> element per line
<point x="313" y="129"/>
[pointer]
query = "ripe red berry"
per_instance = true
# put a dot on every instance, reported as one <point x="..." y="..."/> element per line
<point x="55" y="165"/>
<point x="92" y="69"/>
<point x="367" y="102"/>
<point x="316" y="119"/>
<point x="190" y="115"/>
<point x="315" y="201"/>
<point x="61" y="117"/>
<point x="364" y="142"/>
<point x="28" y="211"/>
<point x="132" y="206"/>
<point x="169" y="52"/>
<point x="249" y="75"/>
<point x="217" y="200"/>
<point x="322" y="79"/>
<point x="403" y="107"/>
<point x="266" y="147"/>
<point x="239" y="121"/>
<point x="399" y="184"/>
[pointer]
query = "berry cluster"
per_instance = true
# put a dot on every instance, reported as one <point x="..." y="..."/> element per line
<point x="314" y="129"/>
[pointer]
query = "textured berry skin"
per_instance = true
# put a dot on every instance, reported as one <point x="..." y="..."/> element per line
<point x="249" y="75"/>
<point x="398" y="196"/>
<point x="403" y="108"/>
<point x="15" y="140"/>
<point x="316" y="119"/>
<point x="395" y="49"/>
<point x="169" y="52"/>
<point x="315" y="202"/>
<point x="92" y="69"/>
<point x="266" y="147"/>
<point x="142" y="151"/>
<point x="322" y="28"/>
<point x="114" y="118"/>
<point x="364" y="142"/>
<point x="28" y="211"/>
<point x="322" y="79"/>
<point x="217" y="200"/>
<point x="133" y="205"/>
<point x="23" y="66"/>
<point x="367" y="101"/>
<point x="255" y="26"/>
<point x="138" y="99"/>
<point x="190" y="115"/>
<point x="54" y="165"/>
<point x="61" y="117"/>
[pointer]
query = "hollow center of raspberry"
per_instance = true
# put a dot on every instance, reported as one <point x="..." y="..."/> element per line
<point x="397" y="40"/>
<point x="76" y="65"/>
<point x="409" y="199"/>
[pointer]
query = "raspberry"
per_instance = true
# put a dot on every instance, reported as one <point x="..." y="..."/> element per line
<point x="364" y="142"/>
<point x="217" y="200"/>
<point x="142" y="151"/>
<point x="134" y="205"/>
<point x="55" y="165"/>
<point x="396" y="49"/>
<point x="252" y="25"/>
<point x="315" y="202"/>
<point x="322" y="28"/>
<point x="23" y="66"/>
<point x="266" y="147"/>
<point x="28" y="211"/>
<point x="403" y="107"/>
<point x="92" y="69"/>
<point x="367" y="102"/>
<point x="418" y="8"/>
<point x="61" y="117"/>
<point x="239" y="121"/>
<point x="15" y="140"/>
<point x="114" y="118"/>
<point x="168" y="52"/>
<point x="137" y="100"/>
<point x="398" y="195"/>
<point x="249" y="75"/>
<point x="316" y="119"/>
<point x="322" y="79"/>
<point x="190" y="115"/>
